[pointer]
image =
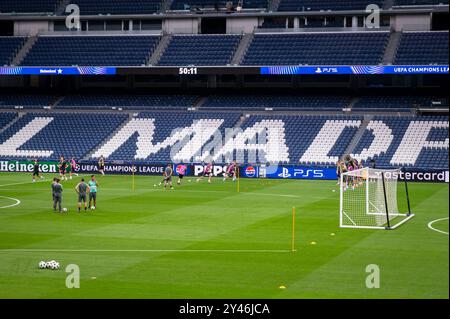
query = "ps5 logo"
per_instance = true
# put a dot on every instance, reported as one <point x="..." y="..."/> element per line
<point x="326" y="70"/>
<point x="284" y="173"/>
<point x="315" y="173"/>
<point x="73" y="19"/>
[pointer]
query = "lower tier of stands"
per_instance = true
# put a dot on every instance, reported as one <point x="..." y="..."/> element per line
<point x="164" y="136"/>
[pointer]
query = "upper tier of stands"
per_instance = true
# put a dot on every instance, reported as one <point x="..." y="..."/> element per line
<point x="28" y="101"/>
<point x="28" y="6"/>
<point x="423" y="48"/>
<point x="400" y="103"/>
<point x="201" y="4"/>
<point x="200" y="50"/>
<point x="88" y="101"/>
<point x="91" y="50"/>
<point x="317" y="48"/>
<point x="8" y="48"/>
<point x="223" y="101"/>
<point x="317" y="5"/>
<point x="94" y="7"/>
<point x="419" y="2"/>
<point x="277" y="102"/>
<point x="311" y="48"/>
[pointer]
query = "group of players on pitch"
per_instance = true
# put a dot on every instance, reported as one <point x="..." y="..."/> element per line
<point x="231" y="172"/>
<point x="349" y="164"/>
<point x="82" y="188"/>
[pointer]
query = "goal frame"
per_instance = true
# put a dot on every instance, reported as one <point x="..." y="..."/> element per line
<point x="408" y="215"/>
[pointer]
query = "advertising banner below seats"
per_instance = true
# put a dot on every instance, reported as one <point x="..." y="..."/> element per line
<point x="121" y="168"/>
<point x="27" y="166"/>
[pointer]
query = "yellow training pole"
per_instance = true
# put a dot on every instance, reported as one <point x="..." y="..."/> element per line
<point x="238" y="179"/>
<point x="132" y="173"/>
<point x="293" y="230"/>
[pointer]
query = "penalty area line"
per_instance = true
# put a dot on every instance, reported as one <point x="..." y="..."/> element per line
<point x="152" y="250"/>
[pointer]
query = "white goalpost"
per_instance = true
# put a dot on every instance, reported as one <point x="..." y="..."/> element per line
<point x="368" y="199"/>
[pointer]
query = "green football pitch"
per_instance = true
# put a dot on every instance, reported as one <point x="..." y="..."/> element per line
<point x="209" y="241"/>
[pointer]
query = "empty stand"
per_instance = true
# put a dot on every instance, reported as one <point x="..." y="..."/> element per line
<point x="201" y="4"/>
<point x="277" y="102"/>
<point x="6" y="118"/>
<point x="317" y="5"/>
<point x="27" y="6"/>
<point x="93" y="7"/>
<point x="185" y="50"/>
<point x="91" y="50"/>
<point x="27" y="101"/>
<point x="136" y="102"/>
<point x="53" y="135"/>
<point x="9" y="46"/>
<point x="400" y="103"/>
<point x="317" y="48"/>
<point x="423" y="48"/>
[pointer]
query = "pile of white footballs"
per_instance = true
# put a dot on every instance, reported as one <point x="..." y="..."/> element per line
<point x="52" y="264"/>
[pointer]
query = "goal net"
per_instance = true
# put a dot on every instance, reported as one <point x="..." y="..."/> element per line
<point x="368" y="199"/>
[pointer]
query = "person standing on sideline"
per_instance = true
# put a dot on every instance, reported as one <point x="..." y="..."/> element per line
<point x="57" y="190"/>
<point x="82" y="189"/>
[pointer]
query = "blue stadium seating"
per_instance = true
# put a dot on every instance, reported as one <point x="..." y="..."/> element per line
<point x="299" y="141"/>
<point x="188" y="50"/>
<point x="419" y="2"/>
<point x="91" y="50"/>
<point x="317" y="5"/>
<point x="27" y="101"/>
<point x="89" y="101"/>
<point x="277" y="102"/>
<point x="428" y="158"/>
<point x="423" y="48"/>
<point x="165" y="122"/>
<point x="300" y="131"/>
<point x="9" y="46"/>
<point x="69" y="134"/>
<point x="249" y="4"/>
<point x="6" y="118"/>
<point x="93" y="7"/>
<point x="317" y="49"/>
<point x="27" y="6"/>
<point x="400" y="103"/>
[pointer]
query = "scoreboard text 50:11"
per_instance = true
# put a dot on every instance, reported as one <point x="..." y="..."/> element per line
<point x="187" y="71"/>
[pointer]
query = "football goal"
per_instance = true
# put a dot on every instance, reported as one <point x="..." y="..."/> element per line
<point x="368" y="199"/>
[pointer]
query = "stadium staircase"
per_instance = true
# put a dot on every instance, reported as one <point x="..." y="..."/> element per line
<point x="273" y="5"/>
<point x="358" y="135"/>
<point x="391" y="48"/>
<point x="159" y="50"/>
<point x="17" y="118"/>
<point x="29" y="43"/>
<point x="198" y="104"/>
<point x="242" y="49"/>
<point x="165" y="6"/>
<point x="61" y="7"/>
<point x="88" y="156"/>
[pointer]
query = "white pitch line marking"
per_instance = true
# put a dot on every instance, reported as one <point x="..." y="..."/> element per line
<point x="152" y="250"/>
<point x="17" y="202"/>
<point x="435" y="221"/>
